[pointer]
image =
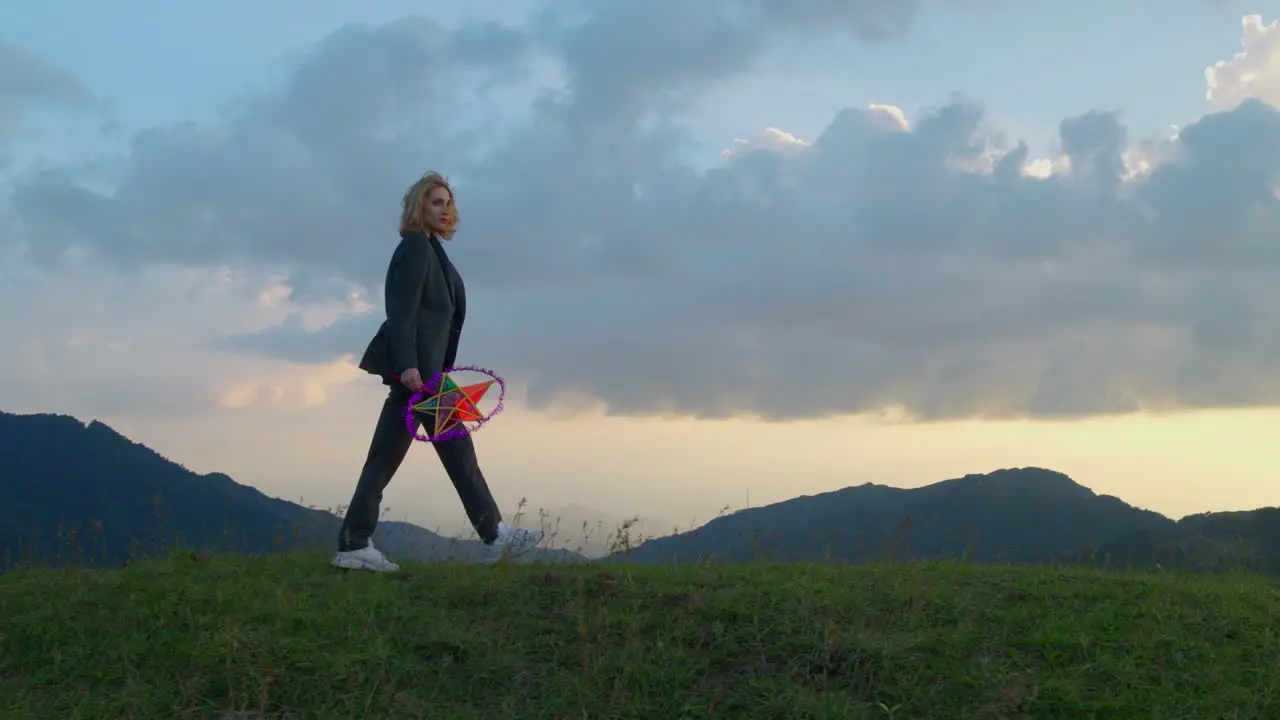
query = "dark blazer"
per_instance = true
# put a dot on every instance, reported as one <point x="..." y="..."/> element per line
<point x="426" y="305"/>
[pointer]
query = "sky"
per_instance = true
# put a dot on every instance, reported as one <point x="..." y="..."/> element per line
<point x="724" y="253"/>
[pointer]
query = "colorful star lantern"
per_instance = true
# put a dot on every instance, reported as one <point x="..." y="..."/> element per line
<point x="444" y="410"/>
<point x="451" y="405"/>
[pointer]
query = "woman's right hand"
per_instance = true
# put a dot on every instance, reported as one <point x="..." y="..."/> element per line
<point x="412" y="379"/>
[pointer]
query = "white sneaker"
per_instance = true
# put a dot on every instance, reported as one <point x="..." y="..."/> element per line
<point x="511" y="542"/>
<point x="366" y="558"/>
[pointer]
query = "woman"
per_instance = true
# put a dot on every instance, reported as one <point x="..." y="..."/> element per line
<point x="426" y="304"/>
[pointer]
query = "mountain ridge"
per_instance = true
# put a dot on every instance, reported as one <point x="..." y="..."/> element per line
<point x="891" y="520"/>
<point x="74" y="492"/>
<point x="64" y="481"/>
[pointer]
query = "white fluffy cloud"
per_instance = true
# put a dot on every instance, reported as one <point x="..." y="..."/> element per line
<point x="771" y="139"/>
<point x="1251" y="73"/>
<point x="924" y="265"/>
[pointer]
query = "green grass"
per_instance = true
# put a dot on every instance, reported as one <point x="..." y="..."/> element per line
<point x="289" y="637"/>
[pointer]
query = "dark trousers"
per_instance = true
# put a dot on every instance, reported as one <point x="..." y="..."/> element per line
<point x="391" y="441"/>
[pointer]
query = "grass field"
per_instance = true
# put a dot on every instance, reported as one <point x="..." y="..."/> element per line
<point x="196" y="636"/>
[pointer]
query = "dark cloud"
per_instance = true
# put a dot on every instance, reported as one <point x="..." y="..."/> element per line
<point x="628" y="59"/>
<point x="31" y="83"/>
<point x="292" y="340"/>
<point x="306" y="179"/>
<point x="883" y="265"/>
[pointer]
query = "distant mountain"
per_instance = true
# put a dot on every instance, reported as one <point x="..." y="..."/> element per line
<point x="83" y="494"/>
<point x="1016" y="515"/>
<point x="77" y="493"/>
<point x="1208" y="542"/>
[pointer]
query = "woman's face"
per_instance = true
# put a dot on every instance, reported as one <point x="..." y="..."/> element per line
<point x="435" y="207"/>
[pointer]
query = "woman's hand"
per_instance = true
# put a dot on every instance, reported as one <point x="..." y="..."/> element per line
<point x="412" y="379"/>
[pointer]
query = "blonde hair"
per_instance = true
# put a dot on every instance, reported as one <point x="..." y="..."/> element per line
<point x="411" y="214"/>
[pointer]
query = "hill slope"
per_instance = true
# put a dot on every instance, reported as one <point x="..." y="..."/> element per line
<point x="76" y="493"/>
<point x="1208" y="542"/>
<point x="204" y="637"/>
<point x="1017" y="515"/>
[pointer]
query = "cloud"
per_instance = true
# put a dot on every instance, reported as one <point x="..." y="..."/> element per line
<point x="301" y="179"/>
<point x="771" y="139"/>
<point x="1252" y="73"/>
<point x="292" y="340"/>
<point x="923" y="265"/>
<point x="628" y="59"/>
<point x="107" y="348"/>
<point x="31" y="83"/>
